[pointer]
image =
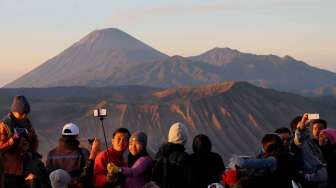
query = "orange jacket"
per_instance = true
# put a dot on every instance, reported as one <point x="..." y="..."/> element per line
<point x="11" y="153"/>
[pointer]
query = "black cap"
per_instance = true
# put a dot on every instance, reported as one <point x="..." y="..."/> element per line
<point x="20" y="104"/>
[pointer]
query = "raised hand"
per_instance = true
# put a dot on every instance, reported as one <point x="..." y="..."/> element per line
<point x="302" y="125"/>
<point x="96" y="147"/>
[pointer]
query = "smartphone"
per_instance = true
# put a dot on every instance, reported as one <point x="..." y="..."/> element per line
<point x="313" y="116"/>
<point x="21" y="131"/>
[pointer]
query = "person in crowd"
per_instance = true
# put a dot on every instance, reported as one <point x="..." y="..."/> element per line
<point x="316" y="126"/>
<point x="275" y="167"/>
<point x="85" y="179"/>
<point x="68" y="155"/>
<point x="103" y="169"/>
<point x="313" y="166"/>
<point x="327" y="141"/>
<point x="18" y="142"/>
<point x="59" y="178"/>
<point x="140" y="164"/>
<point x="170" y="168"/>
<point x="294" y="149"/>
<point x="286" y="136"/>
<point x="204" y="167"/>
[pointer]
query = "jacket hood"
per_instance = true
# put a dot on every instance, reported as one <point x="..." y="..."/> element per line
<point x="178" y="133"/>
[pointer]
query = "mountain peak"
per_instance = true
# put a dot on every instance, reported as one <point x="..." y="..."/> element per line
<point x="222" y="50"/>
<point x="218" y="56"/>
<point x="111" y="39"/>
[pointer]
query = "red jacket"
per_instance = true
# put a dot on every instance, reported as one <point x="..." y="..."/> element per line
<point x="100" y="165"/>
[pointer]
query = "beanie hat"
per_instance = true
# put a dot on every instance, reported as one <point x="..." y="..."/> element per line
<point x="20" y="104"/>
<point x="140" y="137"/>
<point x="178" y="134"/>
<point x="70" y="129"/>
<point x="330" y="134"/>
<point x="59" y="178"/>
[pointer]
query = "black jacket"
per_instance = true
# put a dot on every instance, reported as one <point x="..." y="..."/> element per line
<point x="204" y="169"/>
<point x="170" y="168"/>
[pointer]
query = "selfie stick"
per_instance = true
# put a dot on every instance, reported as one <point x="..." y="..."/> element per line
<point x="101" y="113"/>
<point x="102" y="124"/>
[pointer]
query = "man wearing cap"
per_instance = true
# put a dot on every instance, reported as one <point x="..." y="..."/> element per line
<point x="68" y="155"/>
<point x="17" y="138"/>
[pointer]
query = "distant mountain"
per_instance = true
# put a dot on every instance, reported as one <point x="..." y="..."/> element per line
<point x="110" y="57"/>
<point x="270" y="71"/>
<point x="90" y="61"/>
<point x="234" y="114"/>
<point x="218" y="65"/>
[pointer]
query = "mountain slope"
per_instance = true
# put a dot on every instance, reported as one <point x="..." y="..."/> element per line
<point x="89" y="61"/>
<point x="234" y="114"/>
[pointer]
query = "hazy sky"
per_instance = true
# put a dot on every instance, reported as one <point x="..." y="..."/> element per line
<point x="33" y="31"/>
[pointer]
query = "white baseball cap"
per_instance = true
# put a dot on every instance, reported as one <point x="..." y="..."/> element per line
<point x="70" y="129"/>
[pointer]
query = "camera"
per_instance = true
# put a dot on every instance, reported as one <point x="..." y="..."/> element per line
<point x="101" y="112"/>
<point x="313" y="116"/>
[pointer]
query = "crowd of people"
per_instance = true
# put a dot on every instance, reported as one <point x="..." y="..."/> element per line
<point x="303" y="155"/>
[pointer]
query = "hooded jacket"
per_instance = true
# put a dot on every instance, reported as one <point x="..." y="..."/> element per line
<point x="170" y="168"/>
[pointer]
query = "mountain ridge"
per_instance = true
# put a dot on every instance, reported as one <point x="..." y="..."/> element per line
<point x="111" y="57"/>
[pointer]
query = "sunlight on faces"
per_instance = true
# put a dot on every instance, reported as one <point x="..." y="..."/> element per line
<point x="120" y="141"/>
<point x="135" y="147"/>
<point x="19" y="115"/>
<point x="317" y="127"/>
